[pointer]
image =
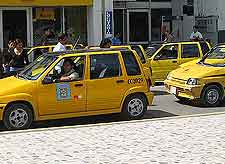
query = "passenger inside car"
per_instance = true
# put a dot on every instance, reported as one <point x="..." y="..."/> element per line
<point x="68" y="73"/>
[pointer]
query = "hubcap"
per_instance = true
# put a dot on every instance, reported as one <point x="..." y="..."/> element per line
<point x="18" y="118"/>
<point x="212" y="96"/>
<point x="135" y="107"/>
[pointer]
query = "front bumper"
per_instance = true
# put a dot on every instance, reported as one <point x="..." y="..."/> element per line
<point x="183" y="90"/>
<point x="150" y="97"/>
<point x="2" y="107"/>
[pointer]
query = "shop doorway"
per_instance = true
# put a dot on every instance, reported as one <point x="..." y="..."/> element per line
<point x="14" y="25"/>
<point x="138" y="27"/>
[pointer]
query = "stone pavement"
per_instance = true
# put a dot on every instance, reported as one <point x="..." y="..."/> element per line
<point x="193" y="140"/>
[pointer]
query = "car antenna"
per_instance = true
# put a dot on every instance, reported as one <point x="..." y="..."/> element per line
<point x="74" y="46"/>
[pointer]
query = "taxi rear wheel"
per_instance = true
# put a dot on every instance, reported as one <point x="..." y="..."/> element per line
<point x="211" y="96"/>
<point x="18" y="116"/>
<point x="134" y="107"/>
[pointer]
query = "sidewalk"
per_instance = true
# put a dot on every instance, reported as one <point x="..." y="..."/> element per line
<point x="182" y="140"/>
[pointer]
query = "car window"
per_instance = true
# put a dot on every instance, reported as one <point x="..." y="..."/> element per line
<point x="189" y="51"/>
<point x="105" y="66"/>
<point x="205" y="47"/>
<point x="168" y="52"/>
<point x="151" y="50"/>
<point x="131" y="63"/>
<point x="33" y="55"/>
<point x="140" y="53"/>
<point x="77" y="70"/>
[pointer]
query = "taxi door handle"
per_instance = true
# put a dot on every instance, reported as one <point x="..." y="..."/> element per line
<point x="78" y="85"/>
<point x="174" y="61"/>
<point x="120" y="81"/>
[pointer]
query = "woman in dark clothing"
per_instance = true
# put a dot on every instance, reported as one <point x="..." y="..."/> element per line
<point x="7" y="57"/>
<point x="19" y="58"/>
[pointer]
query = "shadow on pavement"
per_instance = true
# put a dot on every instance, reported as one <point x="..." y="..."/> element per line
<point x="159" y="93"/>
<point x="196" y="103"/>
<point x="91" y="120"/>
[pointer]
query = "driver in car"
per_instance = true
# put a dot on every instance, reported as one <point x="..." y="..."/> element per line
<point x="68" y="73"/>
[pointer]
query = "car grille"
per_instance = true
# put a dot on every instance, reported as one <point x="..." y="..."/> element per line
<point x="179" y="81"/>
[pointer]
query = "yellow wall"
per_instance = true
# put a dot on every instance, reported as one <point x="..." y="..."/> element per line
<point x="45" y="2"/>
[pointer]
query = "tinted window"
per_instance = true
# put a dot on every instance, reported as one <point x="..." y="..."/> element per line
<point x="168" y="52"/>
<point x="205" y="47"/>
<point x="140" y="53"/>
<point x="131" y="63"/>
<point x="190" y="51"/>
<point x="105" y="66"/>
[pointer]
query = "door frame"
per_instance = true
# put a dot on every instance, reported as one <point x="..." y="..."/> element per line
<point x="128" y="25"/>
<point x="29" y="23"/>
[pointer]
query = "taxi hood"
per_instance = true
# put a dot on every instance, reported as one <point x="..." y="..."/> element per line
<point x="197" y="71"/>
<point x="14" y="85"/>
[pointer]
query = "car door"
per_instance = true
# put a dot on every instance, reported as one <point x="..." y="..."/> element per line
<point x="106" y="84"/>
<point x="189" y="52"/>
<point x="164" y="61"/>
<point x="64" y="97"/>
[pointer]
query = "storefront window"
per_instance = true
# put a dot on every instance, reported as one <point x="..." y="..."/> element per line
<point x="47" y="25"/>
<point x="76" y="23"/>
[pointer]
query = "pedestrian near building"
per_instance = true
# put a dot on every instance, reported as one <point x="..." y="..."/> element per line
<point x="106" y="43"/>
<point x="196" y="35"/>
<point x="48" y="37"/>
<point x="18" y="57"/>
<point x="7" y="57"/>
<point x="168" y="36"/>
<point x="116" y="40"/>
<point x="62" y="41"/>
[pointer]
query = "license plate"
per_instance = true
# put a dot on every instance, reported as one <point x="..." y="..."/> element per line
<point x="173" y="90"/>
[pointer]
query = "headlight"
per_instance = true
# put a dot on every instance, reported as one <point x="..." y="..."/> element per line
<point x="192" y="81"/>
<point x="169" y="77"/>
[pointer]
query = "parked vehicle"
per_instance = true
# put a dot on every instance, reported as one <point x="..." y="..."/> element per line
<point x="107" y="81"/>
<point x="202" y="81"/>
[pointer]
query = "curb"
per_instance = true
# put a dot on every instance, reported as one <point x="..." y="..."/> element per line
<point x="111" y="123"/>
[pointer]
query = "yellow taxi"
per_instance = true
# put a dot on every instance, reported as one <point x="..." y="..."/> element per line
<point x="168" y="56"/>
<point x="204" y="80"/>
<point x="106" y="81"/>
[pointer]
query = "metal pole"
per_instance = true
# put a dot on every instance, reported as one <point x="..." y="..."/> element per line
<point x="150" y="22"/>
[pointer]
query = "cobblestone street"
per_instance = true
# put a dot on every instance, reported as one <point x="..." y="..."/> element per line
<point x="177" y="140"/>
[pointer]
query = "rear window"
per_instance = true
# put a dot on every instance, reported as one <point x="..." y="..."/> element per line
<point x="140" y="53"/>
<point x="131" y="63"/>
<point x="205" y="47"/>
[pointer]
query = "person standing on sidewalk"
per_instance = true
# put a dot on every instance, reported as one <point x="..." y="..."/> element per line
<point x="196" y="35"/>
<point x="116" y="40"/>
<point x="18" y="57"/>
<point x="6" y="56"/>
<point x="60" y="47"/>
<point x="62" y="41"/>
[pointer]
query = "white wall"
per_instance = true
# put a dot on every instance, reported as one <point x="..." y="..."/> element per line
<point x="96" y="20"/>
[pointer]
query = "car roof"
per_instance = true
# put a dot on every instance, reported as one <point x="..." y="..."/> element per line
<point x="80" y="51"/>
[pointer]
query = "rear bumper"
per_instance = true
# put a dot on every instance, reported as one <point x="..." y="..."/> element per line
<point x="150" y="97"/>
<point x="183" y="90"/>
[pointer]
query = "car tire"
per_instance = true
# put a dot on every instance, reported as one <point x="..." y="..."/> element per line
<point x="18" y="116"/>
<point x="211" y="96"/>
<point x="134" y="107"/>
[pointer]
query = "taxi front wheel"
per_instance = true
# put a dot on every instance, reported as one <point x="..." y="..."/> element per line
<point x="134" y="107"/>
<point x="211" y="96"/>
<point x="18" y="116"/>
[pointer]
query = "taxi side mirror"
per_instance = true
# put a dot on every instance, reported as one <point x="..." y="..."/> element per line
<point x="47" y="80"/>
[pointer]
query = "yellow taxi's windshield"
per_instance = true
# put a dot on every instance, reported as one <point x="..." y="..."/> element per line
<point x="35" y="69"/>
<point x="215" y="58"/>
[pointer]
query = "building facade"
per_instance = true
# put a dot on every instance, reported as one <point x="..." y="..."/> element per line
<point x="140" y="21"/>
<point x="28" y="19"/>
